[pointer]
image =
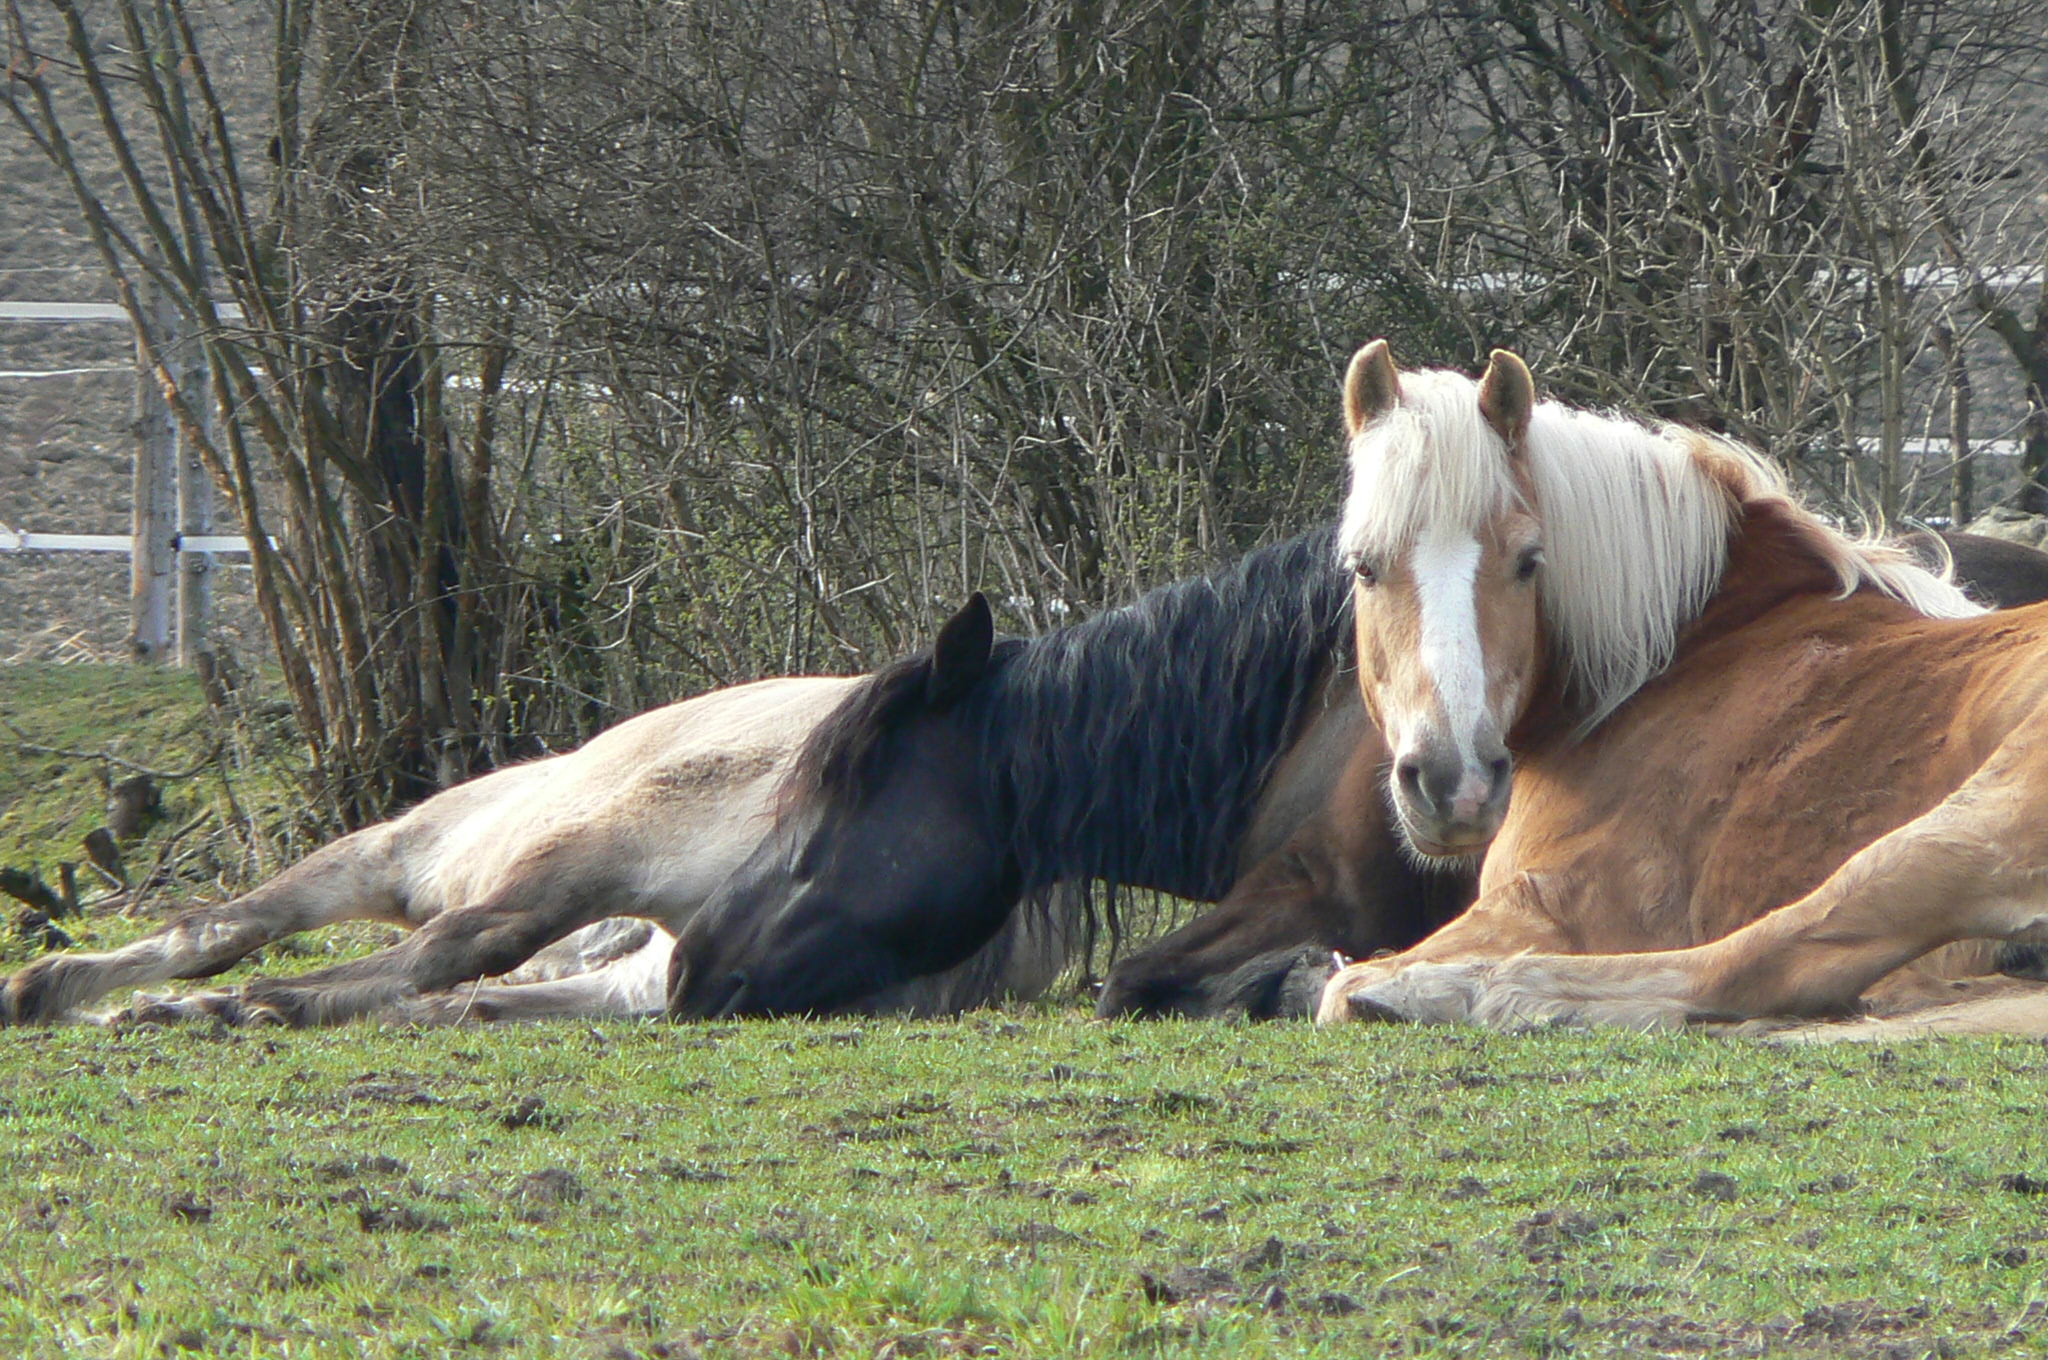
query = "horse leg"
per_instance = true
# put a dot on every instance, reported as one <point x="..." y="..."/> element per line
<point x="626" y="986"/>
<point x="513" y="922"/>
<point x="354" y="879"/>
<point x="1340" y="881"/>
<point x="1973" y="867"/>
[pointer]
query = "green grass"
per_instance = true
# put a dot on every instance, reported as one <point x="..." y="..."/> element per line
<point x="1009" y="1186"/>
<point x="149" y="715"/>
<point x="234" y="804"/>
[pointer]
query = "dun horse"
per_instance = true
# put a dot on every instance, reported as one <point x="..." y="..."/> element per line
<point x="1758" y="767"/>
<point x="642" y="821"/>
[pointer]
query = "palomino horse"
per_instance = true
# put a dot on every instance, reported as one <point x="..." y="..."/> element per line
<point x="1201" y="742"/>
<point x="1758" y="766"/>
<point x="644" y="820"/>
<point x="1264" y="949"/>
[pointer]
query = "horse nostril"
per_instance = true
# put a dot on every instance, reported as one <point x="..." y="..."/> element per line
<point x="1409" y="772"/>
<point x="1501" y="768"/>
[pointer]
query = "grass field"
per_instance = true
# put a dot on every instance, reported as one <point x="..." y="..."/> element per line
<point x="1026" y="1185"/>
<point x="1032" y="1184"/>
<point x="234" y="801"/>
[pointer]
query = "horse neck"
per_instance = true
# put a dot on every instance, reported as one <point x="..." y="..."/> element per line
<point x="1133" y="748"/>
<point x="1771" y="560"/>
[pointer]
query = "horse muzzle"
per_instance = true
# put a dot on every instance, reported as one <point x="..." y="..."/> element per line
<point x="1451" y="807"/>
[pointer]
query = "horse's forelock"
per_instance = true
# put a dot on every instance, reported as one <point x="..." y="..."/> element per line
<point x="1432" y="462"/>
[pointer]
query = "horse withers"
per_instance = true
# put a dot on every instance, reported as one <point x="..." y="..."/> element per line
<point x="1756" y="768"/>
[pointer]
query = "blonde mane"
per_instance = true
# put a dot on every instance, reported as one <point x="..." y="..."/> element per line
<point x="1637" y="520"/>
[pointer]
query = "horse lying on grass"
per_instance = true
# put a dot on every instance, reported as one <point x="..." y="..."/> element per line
<point x="1200" y="741"/>
<point x="642" y="821"/>
<point x="1265" y="950"/>
<point x="1758" y="769"/>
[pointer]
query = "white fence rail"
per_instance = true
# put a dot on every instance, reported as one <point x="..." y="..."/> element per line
<point x="89" y="311"/>
<point x="26" y="540"/>
<point x="172" y="545"/>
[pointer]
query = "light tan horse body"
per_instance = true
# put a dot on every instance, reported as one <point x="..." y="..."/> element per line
<point x="520" y="868"/>
<point x="1789" y="773"/>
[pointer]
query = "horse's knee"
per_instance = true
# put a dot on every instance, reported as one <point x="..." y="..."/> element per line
<point x="460" y="947"/>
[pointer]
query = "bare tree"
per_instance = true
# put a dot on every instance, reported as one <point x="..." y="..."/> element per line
<point x="1732" y="213"/>
<point x="385" y="606"/>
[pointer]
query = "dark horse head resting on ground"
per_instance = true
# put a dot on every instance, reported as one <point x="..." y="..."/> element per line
<point x="1134" y="748"/>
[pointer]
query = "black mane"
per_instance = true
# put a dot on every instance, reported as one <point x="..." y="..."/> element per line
<point x="1131" y="747"/>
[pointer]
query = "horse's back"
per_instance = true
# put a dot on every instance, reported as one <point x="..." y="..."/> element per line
<point x="1996" y="571"/>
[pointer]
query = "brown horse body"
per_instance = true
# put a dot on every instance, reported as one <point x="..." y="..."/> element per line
<point x="1819" y="800"/>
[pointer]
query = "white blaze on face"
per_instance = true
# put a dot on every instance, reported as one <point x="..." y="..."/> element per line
<point x="1446" y="566"/>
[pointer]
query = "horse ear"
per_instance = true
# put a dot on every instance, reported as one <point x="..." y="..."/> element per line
<point x="1372" y="386"/>
<point x="1507" y="394"/>
<point x="960" y="656"/>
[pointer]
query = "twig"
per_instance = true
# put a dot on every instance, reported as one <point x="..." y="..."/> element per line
<point x="24" y="886"/>
<point x="142" y="885"/>
<point x="25" y="745"/>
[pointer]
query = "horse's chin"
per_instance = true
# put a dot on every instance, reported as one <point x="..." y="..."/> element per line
<point x="1449" y="852"/>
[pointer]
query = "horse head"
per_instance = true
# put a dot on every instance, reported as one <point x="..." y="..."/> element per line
<point x="885" y="862"/>
<point x="1443" y="535"/>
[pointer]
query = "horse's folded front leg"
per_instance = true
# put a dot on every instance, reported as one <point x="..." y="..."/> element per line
<point x="1973" y="867"/>
<point x="455" y="947"/>
<point x="1530" y="989"/>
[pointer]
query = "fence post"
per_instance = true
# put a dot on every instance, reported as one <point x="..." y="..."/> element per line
<point x="195" y="509"/>
<point x="152" y="561"/>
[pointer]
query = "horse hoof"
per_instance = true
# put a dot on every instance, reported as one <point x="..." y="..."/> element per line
<point x="1363" y="1005"/>
<point x="289" y="1007"/>
<point x="2024" y="961"/>
<point x="222" y="1007"/>
<point x="29" y="997"/>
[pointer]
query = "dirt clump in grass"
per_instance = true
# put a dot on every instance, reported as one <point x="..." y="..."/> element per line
<point x="355" y="1168"/>
<point x="1546" y="1233"/>
<point x="188" y="1208"/>
<point x="532" y="1112"/>
<point x="374" y="1216"/>
<point x="1186" y="1284"/>
<point x="539" y="1195"/>
<point x="1717" y="1186"/>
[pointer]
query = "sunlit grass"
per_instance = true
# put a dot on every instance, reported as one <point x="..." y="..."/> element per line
<point x="1031" y="1184"/>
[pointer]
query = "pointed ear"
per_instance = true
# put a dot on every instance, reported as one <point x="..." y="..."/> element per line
<point x="1507" y="394"/>
<point x="960" y="656"/>
<point x="1372" y="386"/>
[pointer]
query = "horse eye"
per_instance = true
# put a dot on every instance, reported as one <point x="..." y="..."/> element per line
<point x="1525" y="569"/>
<point x="1366" y="575"/>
